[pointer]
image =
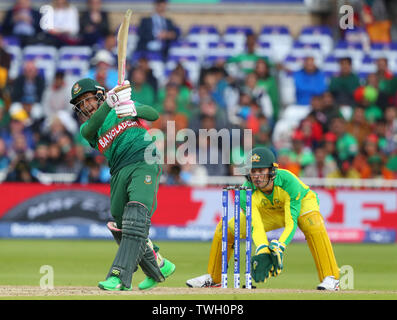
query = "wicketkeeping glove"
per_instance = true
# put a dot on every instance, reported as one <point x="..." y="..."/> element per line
<point x="119" y="94"/>
<point x="277" y="249"/>
<point x="261" y="264"/>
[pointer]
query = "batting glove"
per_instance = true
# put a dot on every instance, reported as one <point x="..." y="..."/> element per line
<point x="126" y="109"/>
<point x="119" y="94"/>
<point x="277" y="252"/>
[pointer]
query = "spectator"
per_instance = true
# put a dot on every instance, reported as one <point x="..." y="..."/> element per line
<point x="369" y="149"/>
<point x="173" y="175"/>
<point x="242" y="64"/>
<point x="308" y="82"/>
<point x="4" y="117"/>
<point x="5" y="63"/>
<point x="322" y="166"/>
<point x="344" y="170"/>
<point x="317" y="110"/>
<point x="66" y="27"/>
<point x="373" y="16"/>
<point x="342" y="86"/>
<point x="94" y="24"/>
<point x="4" y="159"/>
<point x="103" y="69"/>
<point x="346" y="144"/>
<point x="378" y="169"/>
<point x="143" y="63"/>
<point x="55" y="156"/>
<point x="209" y="154"/>
<point x="22" y="21"/>
<point x="17" y="127"/>
<point x="358" y="126"/>
<point x="19" y="171"/>
<point x="41" y="163"/>
<point x="269" y="83"/>
<point x="312" y="131"/>
<point x="330" y="109"/>
<point x="367" y="96"/>
<point x="329" y="140"/>
<point x="181" y="93"/>
<point x="142" y="92"/>
<point x="27" y="92"/>
<point x="192" y="173"/>
<point x="214" y="79"/>
<point x="391" y="129"/>
<point x="300" y="153"/>
<point x="208" y="108"/>
<point x="156" y="33"/>
<point x="259" y="95"/>
<point x="56" y="103"/>
<point x="286" y="162"/>
<point x="170" y="114"/>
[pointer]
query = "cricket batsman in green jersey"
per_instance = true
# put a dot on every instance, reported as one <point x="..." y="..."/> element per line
<point x="111" y="123"/>
<point x="279" y="200"/>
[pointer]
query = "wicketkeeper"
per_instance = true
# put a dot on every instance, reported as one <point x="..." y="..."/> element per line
<point x="111" y="123"/>
<point x="279" y="200"/>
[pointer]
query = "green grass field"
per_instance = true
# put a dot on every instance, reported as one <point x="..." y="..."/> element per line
<point x="79" y="263"/>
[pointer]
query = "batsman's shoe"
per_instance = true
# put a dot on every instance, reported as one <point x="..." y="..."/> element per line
<point x="112" y="284"/>
<point x="167" y="269"/>
<point x="329" y="283"/>
<point x="204" y="281"/>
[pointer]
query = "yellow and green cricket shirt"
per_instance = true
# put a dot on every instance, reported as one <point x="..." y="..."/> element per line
<point x="290" y="197"/>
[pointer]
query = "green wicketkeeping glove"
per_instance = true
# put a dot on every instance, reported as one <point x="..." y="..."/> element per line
<point x="277" y="254"/>
<point x="261" y="264"/>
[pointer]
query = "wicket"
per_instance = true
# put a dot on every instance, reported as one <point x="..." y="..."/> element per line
<point x="248" y="240"/>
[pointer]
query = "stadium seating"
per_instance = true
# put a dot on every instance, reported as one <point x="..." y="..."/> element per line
<point x="12" y="46"/>
<point x="203" y="35"/>
<point x="191" y="64"/>
<point x="237" y="35"/>
<point x="45" y="58"/>
<point x="280" y="40"/>
<point x="317" y="34"/>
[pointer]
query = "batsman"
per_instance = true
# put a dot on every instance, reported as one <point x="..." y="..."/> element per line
<point x="112" y="123"/>
<point x="279" y="200"/>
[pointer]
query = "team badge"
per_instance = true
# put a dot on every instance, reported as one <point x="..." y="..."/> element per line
<point x="148" y="179"/>
<point x="255" y="158"/>
<point x="76" y="88"/>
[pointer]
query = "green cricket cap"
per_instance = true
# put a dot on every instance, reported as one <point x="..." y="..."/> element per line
<point x="84" y="85"/>
<point x="261" y="157"/>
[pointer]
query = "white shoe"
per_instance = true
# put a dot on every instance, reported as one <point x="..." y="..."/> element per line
<point x="329" y="283"/>
<point x="204" y="281"/>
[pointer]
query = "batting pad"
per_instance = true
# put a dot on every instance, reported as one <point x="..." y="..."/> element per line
<point x="312" y="225"/>
<point x="135" y="230"/>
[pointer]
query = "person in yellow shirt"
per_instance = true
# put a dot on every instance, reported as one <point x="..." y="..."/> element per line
<point x="279" y="200"/>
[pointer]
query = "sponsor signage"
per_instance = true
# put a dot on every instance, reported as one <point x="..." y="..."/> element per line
<point x="185" y="213"/>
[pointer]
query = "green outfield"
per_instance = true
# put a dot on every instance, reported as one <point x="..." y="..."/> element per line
<point x="79" y="265"/>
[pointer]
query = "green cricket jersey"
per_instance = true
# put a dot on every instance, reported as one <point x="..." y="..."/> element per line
<point x="122" y="141"/>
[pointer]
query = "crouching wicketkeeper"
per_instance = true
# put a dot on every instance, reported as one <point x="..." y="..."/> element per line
<point x="279" y="200"/>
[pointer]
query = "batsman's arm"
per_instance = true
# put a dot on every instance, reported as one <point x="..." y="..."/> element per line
<point x="91" y="126"/>
<point x="146" y="112"/>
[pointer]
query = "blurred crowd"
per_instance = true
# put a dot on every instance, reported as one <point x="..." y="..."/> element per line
<point x="349" y="131"/>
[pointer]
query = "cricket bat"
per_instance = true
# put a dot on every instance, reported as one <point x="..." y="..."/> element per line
<point x="122" y="40"/>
